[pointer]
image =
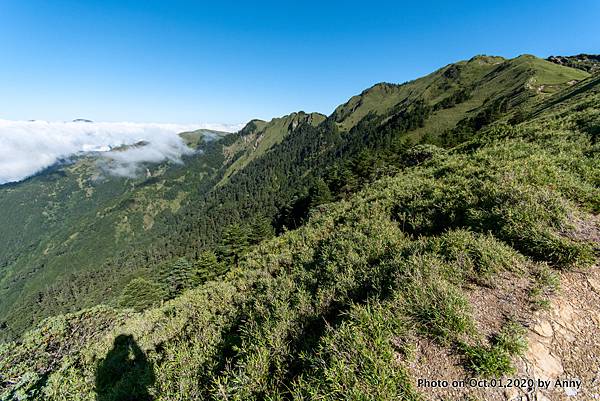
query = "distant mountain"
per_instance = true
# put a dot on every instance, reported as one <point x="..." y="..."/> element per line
<point x="586" y="62"/>
<point x="74" y="217"/>
<point x="195" y="139"/>
<point x="259" y="136"/>
<point x="82" y="120"/>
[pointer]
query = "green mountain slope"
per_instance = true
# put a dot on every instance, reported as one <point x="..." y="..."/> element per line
<point x="472" y="83"/>
<point x="258" y="136"/>
<point x="271" y="172"/>
<point x="332" y="310"/>
<point x="71" y="218"/>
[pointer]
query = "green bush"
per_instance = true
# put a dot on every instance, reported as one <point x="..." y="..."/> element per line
<point x="141" y="294"/>
<point x="438" y="309"/>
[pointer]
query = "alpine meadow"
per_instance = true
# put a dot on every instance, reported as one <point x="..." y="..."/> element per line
<point x="421" y="227"/>
<point x="436" y="237"/>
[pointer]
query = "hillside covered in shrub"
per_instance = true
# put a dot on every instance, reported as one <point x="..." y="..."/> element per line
<point x="84" y="238"/>
<point x="412" y="203"/>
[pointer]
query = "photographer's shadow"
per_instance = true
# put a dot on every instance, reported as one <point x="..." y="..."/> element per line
<point x="125" y="374"/>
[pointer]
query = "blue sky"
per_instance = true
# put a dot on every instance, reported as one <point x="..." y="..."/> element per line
<point x="193" y="61"/>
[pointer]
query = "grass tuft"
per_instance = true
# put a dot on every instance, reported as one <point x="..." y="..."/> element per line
<point x="495" y="360"/>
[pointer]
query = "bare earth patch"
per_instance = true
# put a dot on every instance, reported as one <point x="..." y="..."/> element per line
<point x="585" y="228"/>
<point x="492" y="308"/>
<point x="507" y="300"/>
<point x="564" y="342"/>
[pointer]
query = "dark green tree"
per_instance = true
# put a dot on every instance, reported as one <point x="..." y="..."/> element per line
<point x="319" y="194"/>
<point x="236" y="241"/>
<point x="140" y="294"/>
<point x="261" y="229"/>
<point x="178" y="276"/>
<point x="207" y="267"/>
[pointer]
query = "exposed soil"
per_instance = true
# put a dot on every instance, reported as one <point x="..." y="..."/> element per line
<point x="563" y="344"/>
<point x="491" y="309"/>
<point x="563" y="340"/>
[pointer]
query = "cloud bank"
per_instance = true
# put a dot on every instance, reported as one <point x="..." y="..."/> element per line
<point x="27" y="147"/>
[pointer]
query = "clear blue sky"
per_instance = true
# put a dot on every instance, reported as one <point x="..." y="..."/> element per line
<point x="222" y="61"/>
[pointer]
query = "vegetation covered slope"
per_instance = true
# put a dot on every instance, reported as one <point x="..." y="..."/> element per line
<point x="467" y="84"/>
<point x="245" y="186"/>
<point x="259" y="136"/>
<point x="331" y="310"/>
<point x="57" y="226"/>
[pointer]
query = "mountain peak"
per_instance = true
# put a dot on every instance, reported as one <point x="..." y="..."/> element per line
<point x="485" y="59"/>
<point x="479" y="79"/>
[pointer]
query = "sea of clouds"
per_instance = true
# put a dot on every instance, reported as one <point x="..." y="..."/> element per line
<point x="27" y="147"/>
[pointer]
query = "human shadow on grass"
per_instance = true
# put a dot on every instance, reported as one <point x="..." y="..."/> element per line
<point x="125" y="374"/>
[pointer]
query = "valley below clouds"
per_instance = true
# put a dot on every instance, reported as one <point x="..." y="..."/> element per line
<point x="28" y="147"/>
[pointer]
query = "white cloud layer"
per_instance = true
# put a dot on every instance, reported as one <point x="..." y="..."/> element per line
<point x="27" y="147"/>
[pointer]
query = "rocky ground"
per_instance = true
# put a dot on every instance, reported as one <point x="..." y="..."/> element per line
<point x="563" y="344"/>
<point x="562" y="361"/>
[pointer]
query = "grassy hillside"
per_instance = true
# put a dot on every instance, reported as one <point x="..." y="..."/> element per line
<point x="196" y="139"/>
<point x="470" y="83"/>
<point x="243" y="187"/>
<point x="60" y="225"/>
<point x="259" y="136"/>
<point x="332" y="310"/>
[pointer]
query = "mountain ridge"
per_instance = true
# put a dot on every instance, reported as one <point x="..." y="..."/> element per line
<point x="444" y="248"/>
<point x="174" y="211"/>
<point x="586" y="62"/>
